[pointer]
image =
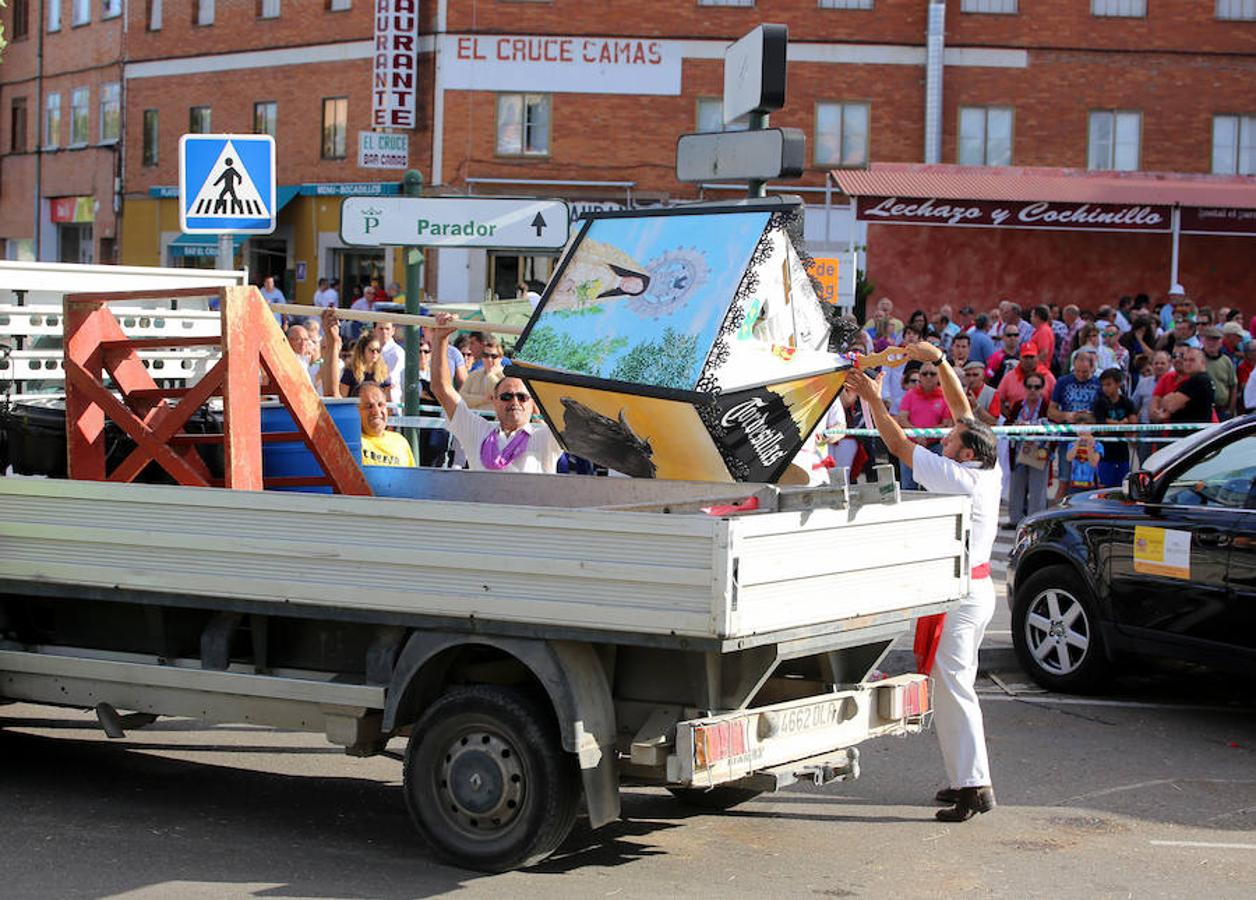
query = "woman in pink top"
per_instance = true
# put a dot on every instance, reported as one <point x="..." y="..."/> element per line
<point x="923" y="407"/>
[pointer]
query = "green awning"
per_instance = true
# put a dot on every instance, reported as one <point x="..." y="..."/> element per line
<point x="202" y="244"/>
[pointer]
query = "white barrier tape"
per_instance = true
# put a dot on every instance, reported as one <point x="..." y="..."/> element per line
<point x="1013" y="432"/>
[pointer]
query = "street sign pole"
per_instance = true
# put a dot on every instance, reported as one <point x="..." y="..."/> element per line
<point x="226" y="250"/>
<point x="412" y="186"/>
<point x="755" y="187"/>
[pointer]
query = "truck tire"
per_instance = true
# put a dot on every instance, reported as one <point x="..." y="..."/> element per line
<point x="486" y="780"/>
<point x="1056" y="633"/>
<point x="716" y="798"/>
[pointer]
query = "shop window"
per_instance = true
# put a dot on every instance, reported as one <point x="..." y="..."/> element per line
<point x="842" y="134"/>
<point x="985" y="136"/>
<point x="1243" y="10"/>
<point x="110" y="9"/>
<point x="1132" y="9"/>
<point x="335" y="126"/>
<point x="711" y="117"/>
<point x="80" y="12"/>
<point x="74" y="243"/>
<point x="268" y="9"/>
<point x="1114" y="140"/>
<point x="110" y="112"/>
<point x="52" y="121"/>
<point x="80" y="101"/>
<point x="339" y="5"/>
<point x="523" y="124"/>
<point x="17" y="125"/>
<point x="200" y="120"/>
<point x="150" y="137"/>
<point x="726" y="2"/>
<point x="845" y="4"/>
<point x="1234" y="145"/>
<point x="988" y="6"/>
<point x="203" y="12"/>
<point x="54" y="14"/>
<point x="266" y="117"/>
<point x="154" y="15"/>
<point x="21" y="24"/>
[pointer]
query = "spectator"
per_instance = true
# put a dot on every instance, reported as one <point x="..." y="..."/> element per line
<point x="326" y="296"/>
<point x="1141" y="338"/>
<point x="1176" y="296"/>
<point x="1043" y="335"/>
<point x="961" y="349"/>
<point x="1005" y="358"/>
<point x="1031" y="460"/>
<point x="1232" y="339"/>
<point x="394" y="357"/>
<point x="1168" y="383"/>
<point x="1072" y="399"/>
<point x="920" y="322"/>
<point x="924" y="407"/>
<point x="366" y="366"/>
<point x="893" y="388"/>
<point x="1083" y="457"/>
<point x="1225" y="381"/>
<point x="1016" y="317"/>
<point x="1114" y="407"/>
<point x="380" y="447"/>
<point x="1064" y="349"/>
<point x="1245" y="372"/>
<point x="982" y="343"/>
<point x="1087" y="339"/>
<point x="481" y="381"/>
<point x="1183" y="331"/>
<point x="883" y="327"/>
<point x="981" y="397"/>
<point x="1192" y="400"/>
<point x="1149" y="371"/>
<point x="272" y="294"/>
<point x="944" y="327"/>
<point x="1111" y="354"/>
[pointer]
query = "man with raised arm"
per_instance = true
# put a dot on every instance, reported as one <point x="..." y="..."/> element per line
<point x="968" y="465"/>
<point x="514" y="444"/>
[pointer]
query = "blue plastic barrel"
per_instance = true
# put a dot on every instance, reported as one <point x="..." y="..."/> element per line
<point x="293" y="457"/>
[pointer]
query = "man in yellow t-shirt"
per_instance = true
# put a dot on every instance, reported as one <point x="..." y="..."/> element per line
<point x="380" y="447"/>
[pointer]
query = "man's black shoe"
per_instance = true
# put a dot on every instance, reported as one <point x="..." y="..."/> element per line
<point x="949" y="796"/>
<point x="969" y="802"/>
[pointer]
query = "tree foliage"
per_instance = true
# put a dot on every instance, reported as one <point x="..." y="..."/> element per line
<point x="547" y="346"/>
<point x="667" y="362"/>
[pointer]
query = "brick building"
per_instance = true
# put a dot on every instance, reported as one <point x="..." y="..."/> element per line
<point x="585" y="101"/>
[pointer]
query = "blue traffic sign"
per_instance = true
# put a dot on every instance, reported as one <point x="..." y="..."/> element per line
<point x="227" y="183"/>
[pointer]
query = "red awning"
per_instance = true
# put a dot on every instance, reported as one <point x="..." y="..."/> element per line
<point x="1013" y="184"/>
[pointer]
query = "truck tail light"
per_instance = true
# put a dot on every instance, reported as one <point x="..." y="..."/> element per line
<point x="904" y="699"/>
<point x="719" y="741"/>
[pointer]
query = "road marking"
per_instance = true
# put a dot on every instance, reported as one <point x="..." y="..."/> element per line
<point x="1211" y="845"/>
<point x="1124" y="704"/>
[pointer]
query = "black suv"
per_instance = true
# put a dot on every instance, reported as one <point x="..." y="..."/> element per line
<point x="1164" y="566"/>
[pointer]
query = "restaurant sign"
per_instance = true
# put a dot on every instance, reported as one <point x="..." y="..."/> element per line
<point x="1214" y="220"/>
<point x="1013" y="214"/>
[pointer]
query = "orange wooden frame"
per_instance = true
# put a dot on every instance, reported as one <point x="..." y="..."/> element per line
<point x="252" y="343"/>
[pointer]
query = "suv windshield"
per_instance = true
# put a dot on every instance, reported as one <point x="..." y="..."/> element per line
<point x="1162" y="458"/>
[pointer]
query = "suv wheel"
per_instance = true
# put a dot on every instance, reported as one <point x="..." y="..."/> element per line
<point x="1055" y="630"/>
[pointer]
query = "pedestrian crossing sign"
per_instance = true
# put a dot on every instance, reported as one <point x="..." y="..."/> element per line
<point x="227" y="183"/>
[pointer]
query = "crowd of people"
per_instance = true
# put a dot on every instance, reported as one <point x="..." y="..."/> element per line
<point x="1128" y="363"/>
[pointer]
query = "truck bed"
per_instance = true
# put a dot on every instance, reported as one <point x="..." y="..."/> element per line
<point x="557" y="555"/>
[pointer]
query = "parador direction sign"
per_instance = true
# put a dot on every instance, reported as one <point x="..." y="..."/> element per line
<point x="1014" y="214"/>
<point x="454" y="222"/>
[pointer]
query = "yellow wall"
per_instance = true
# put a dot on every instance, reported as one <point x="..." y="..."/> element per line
<point x="141" y="243"/>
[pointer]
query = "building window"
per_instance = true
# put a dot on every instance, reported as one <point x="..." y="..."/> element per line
<point x="988" y="6"/>
<point x="52" y="121"/>
<point x="1244" y="10"/>
<point x="268" y="9"/>
<point x="985" y="136"/>
<point x="1234" y="145"/>
<point x="54" y="15"/>
<point x="1114" y="140"/>
<point x="81" y="12"/>
<point x="266" y="117"/>
<point x="726" y="2"/>
<point x="711" y="117"/>
<point x="80" y="100"/>
<point x="203" y="12"/>
<point x="335" y="126"/>
<point x="110" y="9"/>
<point x="523" y="124"/>
<point x="150" y="137"/>
<point x="21" y="24"/>
<point x="842" y="134"/>
<point x="846" y="4"/>
<point x="339" y="5"/>
<point x="1133" y="9"/>
<point x="200" y="120"/>
<point x="17" y="125"/>
<point x="154" y="15"/>
<point x="110" y="112"/>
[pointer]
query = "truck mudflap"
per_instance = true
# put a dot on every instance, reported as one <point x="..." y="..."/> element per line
<point x="751" y="743"/>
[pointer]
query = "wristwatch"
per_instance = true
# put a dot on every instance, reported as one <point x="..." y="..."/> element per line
<point x="940" y="359"/>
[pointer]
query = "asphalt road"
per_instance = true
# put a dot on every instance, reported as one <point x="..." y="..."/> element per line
<point x="1148" y="791"/>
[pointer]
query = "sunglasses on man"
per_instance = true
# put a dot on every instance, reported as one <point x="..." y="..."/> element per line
<point x="517" y="395"/>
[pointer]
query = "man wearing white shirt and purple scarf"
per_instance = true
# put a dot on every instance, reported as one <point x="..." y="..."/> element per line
<point x="968" y="465"/>
<point x="514" y="444"/>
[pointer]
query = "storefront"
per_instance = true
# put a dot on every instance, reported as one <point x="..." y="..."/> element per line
<point x="956" y="234"/>
<point x="73" y="218"/>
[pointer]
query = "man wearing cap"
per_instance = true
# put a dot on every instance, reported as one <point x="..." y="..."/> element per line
<point x="1011" y="388"/>
<point x="981" y="397"/>
<point x="1177" y="296"/>
<point x="968" y="465"/>
<point x="1232" y="339"/>
<point x="1220" y="368"/>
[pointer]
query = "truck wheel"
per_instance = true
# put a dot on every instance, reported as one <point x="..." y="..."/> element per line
<point x="718" y="798"/>
<point x="1055" y="631"/>
<point x="486" y="779"/>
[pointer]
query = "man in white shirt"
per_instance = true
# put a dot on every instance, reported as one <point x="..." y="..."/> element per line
<point x="394" y="357"/>
<point x="968" y="465"/>
<point x="514" y="444"/>
<point x="326" y="295"/>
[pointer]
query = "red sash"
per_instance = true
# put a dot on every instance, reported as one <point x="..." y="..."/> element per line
<point x="929" y="630"/>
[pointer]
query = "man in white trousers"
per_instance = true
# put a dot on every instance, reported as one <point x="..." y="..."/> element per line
<point x="969" y="465"/>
